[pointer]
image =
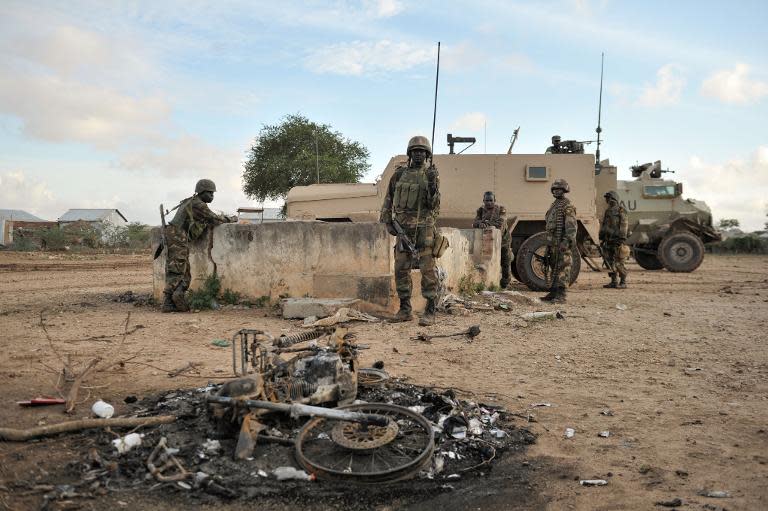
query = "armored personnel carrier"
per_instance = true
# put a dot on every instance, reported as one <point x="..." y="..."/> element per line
<point x="521" y="183"/>
<point x="666" y="230"/>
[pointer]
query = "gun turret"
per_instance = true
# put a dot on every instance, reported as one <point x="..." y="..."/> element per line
<point x="654" y="169"/>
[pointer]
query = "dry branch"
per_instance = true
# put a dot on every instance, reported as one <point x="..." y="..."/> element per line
<point x="22" y="435"/>
<point x="75" y="388"/>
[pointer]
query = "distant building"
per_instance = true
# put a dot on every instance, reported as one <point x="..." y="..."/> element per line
<point x="258" y="215"/>
<point x="10" y="218"/>
<point x="94" y="216"/>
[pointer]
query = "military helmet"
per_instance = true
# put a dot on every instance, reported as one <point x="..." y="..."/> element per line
<point x="205" y="185"/>
<point x="555" y="139"/>
<point x="489" y="196"/>
<point x="561" y="184"/>
<point x="419" y="142"/>
<point x="611" y="195"/>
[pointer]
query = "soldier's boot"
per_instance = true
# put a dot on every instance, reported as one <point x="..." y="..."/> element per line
<point x="180" y="300"/>
<point x="405" y="313"/>
<point x="428" y="318"/>
<point x="551" y="295"/>
<point x="559" y="295"/>
<point x="504" y="283"/>
<point x="168" y="305"/>
<point x="622" y="283"/>
<point x="612" y="283"/>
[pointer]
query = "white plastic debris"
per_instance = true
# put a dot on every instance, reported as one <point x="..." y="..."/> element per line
<point x="211" y="446"/>
<point x="475" y="427"/>
<point x="717" y="494"/>
<point x="127" y="442"/>
<point x="182" y="484"/>
<point x="604" y="434"/>
<point x="103" y="409"/>
<point x="593" y="482"/>
<point x="262" y="473"/>
<point x="286" y="473"/>
<point x="542" y="315"/>
<point x="453" y="476"/>
<point x="569" y="432"/>
<point x="498" y="433"/>
<point x="417" y="408"/>
<point x="200" y="477"/>
<point x="621" y="306"/>
<point x="459" y="433"/>
<point x="438" y="465"/>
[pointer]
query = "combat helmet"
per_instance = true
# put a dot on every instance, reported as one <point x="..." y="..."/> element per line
<point x="555" y="139"/>
<point x="562" y="184"/>
<point x="489" y="196"/>
<point x="205" y="185"/>
<point x="611" y="195"/>
<point x="419" y="142"/>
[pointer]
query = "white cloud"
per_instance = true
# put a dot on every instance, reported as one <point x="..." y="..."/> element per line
<point x="472" y="121"/>
<point x="734" y="86"/>
<point x="667" y="89"/>
<point x="386" y="8"/>
<point x="361" y="57"/>
<point x="33" y="196"/>
<point x="733" y="189"/>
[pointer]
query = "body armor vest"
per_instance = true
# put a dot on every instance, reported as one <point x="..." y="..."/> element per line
<point x="410" y="197"/>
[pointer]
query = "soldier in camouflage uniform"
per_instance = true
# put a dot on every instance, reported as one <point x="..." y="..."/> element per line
<point x="613" y="234"/>
<point x="561" y="230"/>
<point x="495" y="215"/>
<point x="413" y="200"/>
<point x="555" y="147"/>
<point x="189" y="223"/>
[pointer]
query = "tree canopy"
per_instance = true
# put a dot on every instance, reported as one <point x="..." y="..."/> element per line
<point x="290" y="153"/>
<point x="728" y="223"/>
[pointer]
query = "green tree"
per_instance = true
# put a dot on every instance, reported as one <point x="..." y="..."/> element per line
<point x="728" y="223"/>
<point x="290" y="153"/>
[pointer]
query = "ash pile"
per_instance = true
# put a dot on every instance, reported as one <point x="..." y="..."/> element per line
<point x="265" y="435"/>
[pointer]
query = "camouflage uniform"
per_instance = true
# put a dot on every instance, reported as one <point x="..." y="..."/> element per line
<point x="613" y="234"/>
<point x="189" y="223"/>
<point x="561" y="230"/>
<point x="410" y="201"/>
<point x="497" y="217"/>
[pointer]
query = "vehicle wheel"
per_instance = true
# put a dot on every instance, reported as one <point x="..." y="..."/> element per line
<point x="647" y="260"/>
<point x="347" y="451"/>
<point x="530" y="268"/>
<point x="681" y="252"/>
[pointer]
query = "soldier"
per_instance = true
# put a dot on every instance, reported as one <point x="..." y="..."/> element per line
<point x="495" y="215"/>
<point x="561" y="229"/>
<point x="555" y="147"/>
<point x="613" y="234"/>
<point x="189" y="223"/>
<point x="413" y="201"/>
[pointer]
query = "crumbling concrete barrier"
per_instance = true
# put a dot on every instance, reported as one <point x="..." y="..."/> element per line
<point x="325" y="260"/>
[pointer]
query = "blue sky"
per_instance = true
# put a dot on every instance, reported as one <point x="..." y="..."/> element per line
<point x="110" y="104"/>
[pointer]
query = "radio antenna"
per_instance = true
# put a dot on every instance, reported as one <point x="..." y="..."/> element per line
<point x="599" y="130"/>
<point x="434" y="112"/>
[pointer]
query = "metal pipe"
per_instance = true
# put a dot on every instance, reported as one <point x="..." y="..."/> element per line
<point x="297" y="410"/>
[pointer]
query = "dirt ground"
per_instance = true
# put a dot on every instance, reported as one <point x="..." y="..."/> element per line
<point x="676" y="368"/>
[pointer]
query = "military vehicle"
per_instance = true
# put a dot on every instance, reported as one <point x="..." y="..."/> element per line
<point x="666" y="231"/>
<point x="521" y="183"/>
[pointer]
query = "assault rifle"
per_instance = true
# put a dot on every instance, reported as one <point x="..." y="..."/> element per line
<point x="404" y="243"/>
<point x="163" y="241"/>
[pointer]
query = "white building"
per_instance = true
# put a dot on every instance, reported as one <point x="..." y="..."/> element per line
<point x="94" y="216"/>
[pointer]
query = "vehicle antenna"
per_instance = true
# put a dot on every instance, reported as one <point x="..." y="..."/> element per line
<point x="434" y="112"/>
<point x="599" y="130"/>
<point x="512" y="141"/>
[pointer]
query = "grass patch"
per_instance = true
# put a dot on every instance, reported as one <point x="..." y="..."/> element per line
<point x="207" y="296"/>
<point x="230" y="297"/>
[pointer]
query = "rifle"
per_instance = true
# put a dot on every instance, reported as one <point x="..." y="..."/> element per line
<point x="163" y="241"/>
<point x="404" y="243"/>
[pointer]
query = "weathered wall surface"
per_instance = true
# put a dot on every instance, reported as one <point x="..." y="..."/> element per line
<point x="326" y="260"/>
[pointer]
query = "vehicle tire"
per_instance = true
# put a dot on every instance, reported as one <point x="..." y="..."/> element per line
<point x="647" y="260"/>
<point x="681" y="252"/>
<point x="531" y="270"/>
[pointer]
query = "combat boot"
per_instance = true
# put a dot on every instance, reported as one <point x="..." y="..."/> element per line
<point x="622" y="283"/>
<point x="405" y="313"/>
<point x="504" y="283"/>
<point x="551" y="295"/>
<point x="559" y="295"/>
<point x="612" y="283"/>
<point x="168" y="305"/>
<point x="180" y="300"/>
<point x="428" y="318"/>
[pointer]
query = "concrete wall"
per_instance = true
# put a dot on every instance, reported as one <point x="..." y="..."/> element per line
<point x="325" y="260"/>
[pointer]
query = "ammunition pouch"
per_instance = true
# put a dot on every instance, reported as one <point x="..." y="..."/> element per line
<point x="623" y="251"/>
<point x="439" y="246"/>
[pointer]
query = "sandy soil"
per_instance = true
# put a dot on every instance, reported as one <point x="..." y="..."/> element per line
<point x="683" y="370"/>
